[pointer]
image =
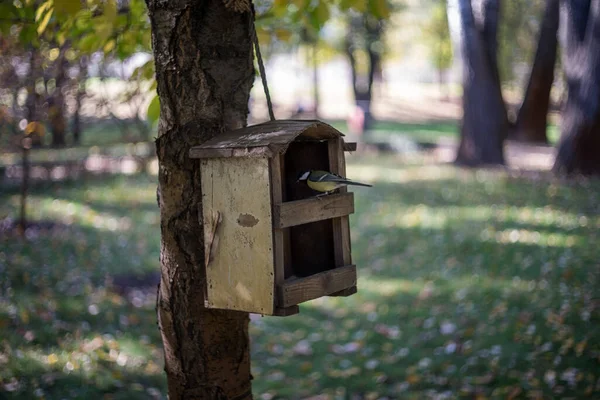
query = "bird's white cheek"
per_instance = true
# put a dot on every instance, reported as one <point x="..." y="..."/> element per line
<point x="304" y="176"/>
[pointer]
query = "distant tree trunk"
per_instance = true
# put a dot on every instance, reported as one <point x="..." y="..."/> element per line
<point x="204" y="72"/>
<point x="579" y="144"/>
<point x="485" y="123"/>
<point x="32" y="96"/>
<point x="79" y="95"/>
<point x="531" y="122"/>
<point x="15" y="109"/>
<point x="371" y="29"/>
<point x="56" y="102"/>
<point x="25" y="146"/>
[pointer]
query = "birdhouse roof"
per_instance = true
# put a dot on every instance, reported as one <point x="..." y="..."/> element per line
<point x="263" y="140"/>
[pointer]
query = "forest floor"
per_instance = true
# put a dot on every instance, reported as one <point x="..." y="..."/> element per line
<point x="472" y="284"/>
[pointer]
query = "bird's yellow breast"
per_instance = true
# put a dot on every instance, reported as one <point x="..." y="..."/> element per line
<point x="323" y="186"/>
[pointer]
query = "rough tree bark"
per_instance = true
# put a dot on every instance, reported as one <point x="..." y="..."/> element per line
<point x="579" y="143"/>
<point x="485" y="123"/>
<point x="531" y="122"/>
<point x="204" y="72"/>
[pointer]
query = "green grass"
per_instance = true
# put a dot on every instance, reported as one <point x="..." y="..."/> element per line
<point x="472" y="284"/>
<point x="428" y="132"/>
<point x="424" y="132"/>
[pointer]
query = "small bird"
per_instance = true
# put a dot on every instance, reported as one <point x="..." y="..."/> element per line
<point x="325" y="182"/>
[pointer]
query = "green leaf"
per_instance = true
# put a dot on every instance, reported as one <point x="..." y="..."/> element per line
<point x="67" y="7"/>
<point x="379" y="8"/>
<point x="110" y="10"/>
<point x="153" y="112"/>
<point x="42" y="9"/>
<point x="7" y="10"/>
<point x="44" y="23"/>
<point x="109" y="46"/>
<point x="28" y="35"/>
<point x="322" y="13"/>
<point x="88" y="43"/>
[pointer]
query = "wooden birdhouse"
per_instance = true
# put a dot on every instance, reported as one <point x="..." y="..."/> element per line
<point x="270" y="244"/>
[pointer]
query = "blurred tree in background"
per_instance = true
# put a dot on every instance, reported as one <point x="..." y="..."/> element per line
<point x="364" y="49"/>
<point x="485" y="123"/>
<point x="531" y="121"/>
<point x="579" y="144"/>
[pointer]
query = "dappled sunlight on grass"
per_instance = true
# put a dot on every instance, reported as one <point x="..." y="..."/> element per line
<point x="69" y="212"/>
<point x="508" y="236"/>
<point x="472" y="284"/>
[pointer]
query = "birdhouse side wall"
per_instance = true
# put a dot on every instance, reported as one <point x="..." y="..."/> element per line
<point x="240" y="271"/>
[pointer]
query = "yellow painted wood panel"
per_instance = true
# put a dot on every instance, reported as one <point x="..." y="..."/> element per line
<point x="240" y="276"/>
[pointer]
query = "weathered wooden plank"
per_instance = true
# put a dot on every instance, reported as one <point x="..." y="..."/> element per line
<point x="281" y="132"/>
<point x="240" y="274"/>
<point x="262" y="151"/>
<point x="293" y="213"/>
<point x="345" y="293"/>
<point x="350" y="146"/>
<point x="296" y="291"/>
<point x="341" y="227"/>
<point x="275" y="165"/>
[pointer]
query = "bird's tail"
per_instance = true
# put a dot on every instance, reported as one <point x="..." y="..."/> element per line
<point x="358" y="184"/>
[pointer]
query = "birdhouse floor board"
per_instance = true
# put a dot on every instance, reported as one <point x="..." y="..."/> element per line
<point x="296" y="291"/>
<point x="345" y="292"/>
<point x="286" y="312"/>
<point x="293" y="213"/>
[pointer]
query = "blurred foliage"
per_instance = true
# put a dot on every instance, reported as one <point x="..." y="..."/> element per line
<point x="518" y="28"/>
<point x="472" y="284"/>
<point x="437" y="36"/>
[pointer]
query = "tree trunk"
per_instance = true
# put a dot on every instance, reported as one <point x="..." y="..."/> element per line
<point x="32" y="96"/>
<point x="204" y="72"/>
<point x="56" y="102"/>
<point x="579" y="144"/>
<point x="531" y="122"/>
<point x="79" y="95"/>
<point x="485" y="123"/>
<point x="371" y="29"/>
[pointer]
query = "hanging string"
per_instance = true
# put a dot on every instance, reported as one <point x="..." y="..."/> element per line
<point x="261" y="66"/>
